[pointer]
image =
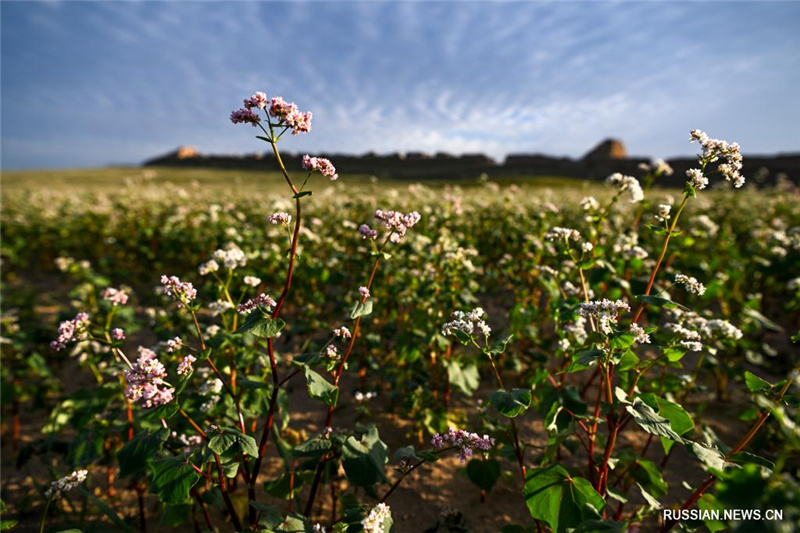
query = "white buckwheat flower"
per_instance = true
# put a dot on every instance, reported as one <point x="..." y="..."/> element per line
<point x="604" y="311"/>
<point x="373" y="522"/>
<point x="627" y="183"/>
<point x="252" y="281"/>
<point x="470" y="323"/>
<point x="663" y="212"/>
<point x="66" y="484"/>
<point x="691" y="284"/>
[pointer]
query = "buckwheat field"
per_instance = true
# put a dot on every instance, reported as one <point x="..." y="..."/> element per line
<point x="317" y="353"/>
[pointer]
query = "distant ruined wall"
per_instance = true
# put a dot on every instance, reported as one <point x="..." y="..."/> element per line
<point x="605" y="159"/>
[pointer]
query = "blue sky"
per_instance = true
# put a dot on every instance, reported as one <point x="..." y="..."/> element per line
<point x="94" y="83"/>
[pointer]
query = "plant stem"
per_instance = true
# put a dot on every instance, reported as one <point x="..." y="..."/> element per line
<point x="44" y="516"/>
<point x="660" y="257"/>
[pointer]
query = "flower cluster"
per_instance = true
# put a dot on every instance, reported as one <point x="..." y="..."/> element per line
<point x="721" y="329"/>
<point x="697" y="179"/>
<point x="367" y="232"/>
<point x="691" y="284"/>
<point x="663" y="212"/>
<point x="182" y="292"/>
<point x="66" y="484"/>
<point x="342" y="332"/>
<point x="115" y="296"/>
<point x="559" y="234"/>
<point x="118" y="334"/>
<point x="691" y="340"/>
<point x="468" y="323"/>
<point x="590" y="203"/>
<point x="463" y="440"/>
<point x="262" y="300"/>
<point x="185" y="367"/>
<point x="639" y="334"/>
<point x="373" y="522"/>
<point x="714" y="149"/>
<point x="279" y="218"/>
<point x="245" y="116"/>
<point x="364" y="292"/>
<point x="146" y="381"/>
<point x="76" y="329"/>
<point x="627" y="183"/>
<point x="231" y="257"/>
<point x="258" y="100"/>
<point x="320" y="164"/>
<point x="397" y="222"/>
<point x="288" y="115"/>
<point x="252" y="281"/>
<point x="174" y="344"/>
<point x="604" y="311"/>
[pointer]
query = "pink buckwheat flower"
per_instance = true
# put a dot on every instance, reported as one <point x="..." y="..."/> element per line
<point x="364" y="292"/>
<point x="185" y="367"/>
<point x="76" y="329"/>
<point x="245" y="116"/>
<point x="288" y="114"/>
<point x="258" y="100"/>
<point x="367" y="232"/>
<point x="115" y="296"/>
<point x="463" y="440"/>
<point x="262" y="300"/>
<point x="279" y="218"/>
<point x="118" y="334"/>
<point x="146" y="381"/>
<point x="174" y="344"/>
<point x="320" y="164"/>
<point x="182" y="292"/>
<point x="342" y="332"/>
<point x="397" y="222"/>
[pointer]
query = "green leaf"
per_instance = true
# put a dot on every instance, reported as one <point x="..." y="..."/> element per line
<point x="134" y="455"/>
<point x="499" y="346"/>
<point x="314" y="447"/>
<point x="406" y="453"/>
<point x="364" y="460"/>
<point x="679" y="419"/>
<point x="270" y="518"/>
<point x="621" y="340"/>
<point x="261" y="325"/>
<point x="361" y="309"/>
<point x="164" y="412"/>
<point x="320" y="389"/>
<point x="230" y="443"/>
<point x="510" y="403"/>
<point x="662" y="302"/>
<point x="307" y="359"/>
<point x="711" y="457"/>
<point x="295" y="523"/>
<point x="650" y="421"/>
<point x="652" y="503"/>
<point x="484" y="474"/>
<point x="755" y="383"/>
<point x="582" y="359"/>
<point x="463" y="375"/>
<point x="301" y="194"/>
<point x="648" y="475"/>
<point x="562" y="501"/>
<point x="749" y="458"/>
<point x="172" y="479"/>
